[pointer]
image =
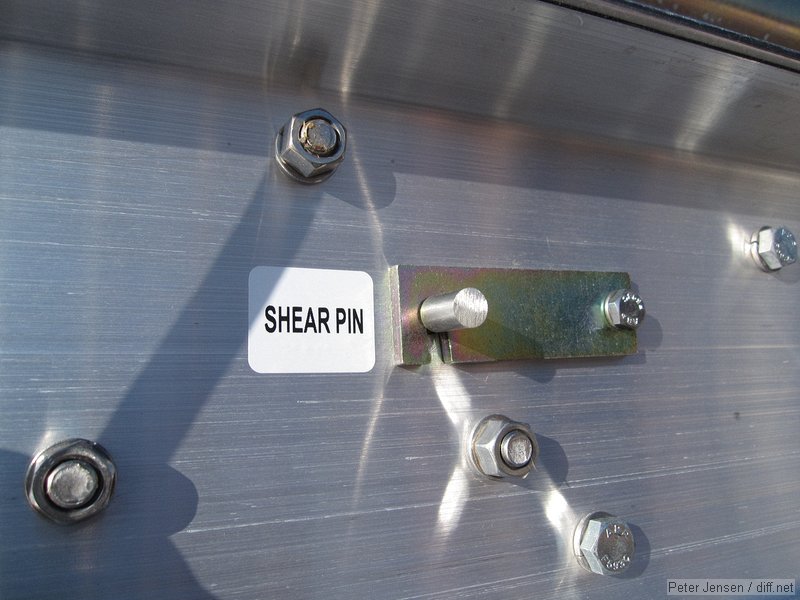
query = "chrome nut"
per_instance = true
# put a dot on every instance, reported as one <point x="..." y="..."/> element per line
<point x="774" y="248"/>
<point x="624" y="309"/>
<point x="604" y="544"/>
<point x="70" y="481"/>
<point x="503" y="448"/>
<point x="311" y="146"/>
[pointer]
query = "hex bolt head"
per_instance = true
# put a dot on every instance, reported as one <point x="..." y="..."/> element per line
<point x="310" y="146"/>
<point x="71" y="484"/>
<point x="70" y="481"/>
<point x="501" y="447"/>
<point x="604" y="544"/>
<point x="773" y="248"/>
<point x="624" y="309"/>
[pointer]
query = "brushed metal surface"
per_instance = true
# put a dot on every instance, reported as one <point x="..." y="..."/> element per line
<point x="135" y="199"/>
<point x="555" y="69"/>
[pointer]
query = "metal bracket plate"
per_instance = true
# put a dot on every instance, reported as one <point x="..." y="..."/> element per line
<point x="532" y="314"/>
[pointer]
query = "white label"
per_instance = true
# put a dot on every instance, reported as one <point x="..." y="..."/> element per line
<point x="310" y="321"/>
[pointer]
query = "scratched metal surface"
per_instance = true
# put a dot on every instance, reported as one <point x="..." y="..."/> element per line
<point x="136" y="197"/>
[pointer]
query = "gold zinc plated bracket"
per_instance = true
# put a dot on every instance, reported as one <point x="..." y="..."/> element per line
<point x="531" y="314"/>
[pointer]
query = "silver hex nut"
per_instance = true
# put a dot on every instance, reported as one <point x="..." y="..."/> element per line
<point x="604" y="544"/>
<point x="70" y="481"/>
<point x="774" y="248"/>
<point x="310" y="146"/>
<point x="624" y="309"/>
<point x="503" y="448"/>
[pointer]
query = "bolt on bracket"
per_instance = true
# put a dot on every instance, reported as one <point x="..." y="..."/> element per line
<point x="531" y="314"/>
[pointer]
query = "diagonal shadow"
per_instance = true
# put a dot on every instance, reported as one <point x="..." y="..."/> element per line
<point x="163" y="402"/>
<point x="127" y="551"/>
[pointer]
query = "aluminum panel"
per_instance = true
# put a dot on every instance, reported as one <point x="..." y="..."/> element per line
<point x="135" y="199"/>
<point x="530" y="62"/>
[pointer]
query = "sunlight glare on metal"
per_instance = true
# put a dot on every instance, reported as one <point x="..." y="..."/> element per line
<point x="739" y="240"/>
<point x="453" y="501"/>
<point x="710" y="104"/>
<point x="357" y="42"/>
<point x="457" y="404"/>
<point x="562" y="519"/>
<point x="453" y="396"/>
<point x="558" y="513"/>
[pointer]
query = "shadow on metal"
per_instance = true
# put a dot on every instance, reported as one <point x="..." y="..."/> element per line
<point x="641" y="558"/>
<point x="105" y="556"/>
<point x="109" y="555"/>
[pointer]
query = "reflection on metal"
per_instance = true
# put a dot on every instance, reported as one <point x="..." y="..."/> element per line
<point x="456" y="402"/>
<point x="604" y="544"/>
<point x="559" y="515"/>
<point x="453" y="500"/>
<point x="70" y="481"/>
<point x="531" y="314"/>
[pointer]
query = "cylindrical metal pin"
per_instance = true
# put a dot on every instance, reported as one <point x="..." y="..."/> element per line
<point x="463" y="309"/>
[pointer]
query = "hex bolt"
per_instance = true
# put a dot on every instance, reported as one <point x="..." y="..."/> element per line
<point x="501" y="447"/>
<point x="603" y="544"/>
<point x="71" y="484"/>
<point x="464" y="309"/>
<point x="70" y="481"/>
<point x="624" y="309"/>
<point x="773" y="248"/>
<point x="310" y="146"/>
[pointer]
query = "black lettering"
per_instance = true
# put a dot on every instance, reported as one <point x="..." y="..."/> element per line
<point x="310" y="324"/>
<point x="358" y="320"/>
<point x="283" y="319"/>
<point x="300" y="319"/>
<point x="297" y="319"/>
<point x="323" y="317"/>
<point x="269" y="313"/>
